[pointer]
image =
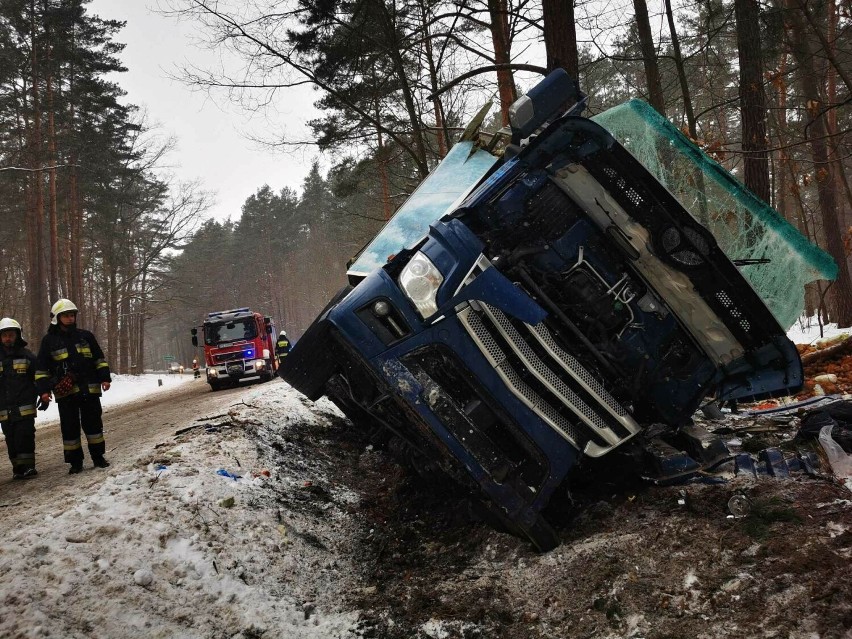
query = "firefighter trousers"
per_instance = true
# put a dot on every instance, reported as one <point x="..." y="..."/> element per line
<point x="79" y="411"/>
<point x="20" y="442"/>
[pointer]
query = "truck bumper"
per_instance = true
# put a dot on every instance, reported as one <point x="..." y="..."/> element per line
<point x="239" y="370"/>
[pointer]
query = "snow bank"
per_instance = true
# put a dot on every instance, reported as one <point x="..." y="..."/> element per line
<point x="174" y="548"/>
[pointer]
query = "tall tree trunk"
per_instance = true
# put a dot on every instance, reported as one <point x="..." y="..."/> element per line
<point x="35" y="217"/>
<point x="681" y="73"/>
<point x="53" y="223"/>
<point x="124" y="318"/>
<point x="422" y="161"/>
<point x="834" y="144"/>
<point x="75" y="235"/>
<point x="500" y="39"/>
<point x="560" y="36"/>
<point x="442" y="134"/>
<point x="649" y="57"/>
<point x="112" y="295"/>
<point x="841" y="291"/>
<point x="752" y="99"/>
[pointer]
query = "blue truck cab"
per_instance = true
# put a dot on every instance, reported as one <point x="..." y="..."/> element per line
<point x="556" y="300"/>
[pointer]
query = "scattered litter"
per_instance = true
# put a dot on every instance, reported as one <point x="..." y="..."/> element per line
<point x="227" y="473"/>
<point x="227" y="502"/>
<point x="839" y="460"/>
<point x="160" y="467"/>
<point x="739" y="506"/>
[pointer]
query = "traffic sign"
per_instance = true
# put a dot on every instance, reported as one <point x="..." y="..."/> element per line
<point x="168" y="358"/>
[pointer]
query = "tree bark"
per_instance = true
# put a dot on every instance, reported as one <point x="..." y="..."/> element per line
<point x="500" y="39"/>
<point x="35" y="217"/>
<point x="53" y="222"/>
<point x="681" y="73"/>
<point x="560" y="36"/>
<point x="841" y="292"/>
<point x="649" y="57"/>
<point x="752" y="99"/>
<point x="442" y="134"/>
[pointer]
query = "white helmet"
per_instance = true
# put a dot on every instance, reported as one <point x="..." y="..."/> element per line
<point x="282" y="334"/>
<point x="61" y="306"/>
<point x="7" y="322"/>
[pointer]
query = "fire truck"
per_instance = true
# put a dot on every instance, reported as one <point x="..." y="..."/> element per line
<point x="239" y="344"/>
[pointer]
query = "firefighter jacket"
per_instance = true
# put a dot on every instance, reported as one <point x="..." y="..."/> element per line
<point x="282" y="347"/>
<point x="17" y="383"/>
<point x="73" y="353"/>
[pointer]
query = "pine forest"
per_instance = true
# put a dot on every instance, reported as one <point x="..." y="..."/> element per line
<point x="88" y="211"/>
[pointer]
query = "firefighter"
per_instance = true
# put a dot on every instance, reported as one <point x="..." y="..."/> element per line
<point x="18" y="399"/>
<point x="71" y="364"/>
<point x="196" y="372"/>
<point x="282" y="347"/>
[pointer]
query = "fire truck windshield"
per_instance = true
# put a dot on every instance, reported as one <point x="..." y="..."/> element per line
<point x="229" y="332"/>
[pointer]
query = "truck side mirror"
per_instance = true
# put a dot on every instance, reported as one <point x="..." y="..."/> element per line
<point x="543" y="102"/>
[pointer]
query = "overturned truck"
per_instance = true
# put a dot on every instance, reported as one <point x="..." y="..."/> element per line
<point x="544" y="297"/>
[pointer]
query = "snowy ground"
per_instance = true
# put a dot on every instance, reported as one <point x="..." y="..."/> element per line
<point x="176" y="546"/>
<point x="269" y="522"/>
<point x="124" y="388"/>
<point x="807" y="331"/>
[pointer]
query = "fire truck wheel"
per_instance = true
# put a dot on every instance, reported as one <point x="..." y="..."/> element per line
<point x="214" y="386"/>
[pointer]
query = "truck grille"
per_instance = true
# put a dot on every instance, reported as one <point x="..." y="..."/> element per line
<point x="220" y="358"/>
<point x="549" y="381"/>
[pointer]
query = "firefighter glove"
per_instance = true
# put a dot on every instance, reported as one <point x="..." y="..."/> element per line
<point x="42" y="404"/>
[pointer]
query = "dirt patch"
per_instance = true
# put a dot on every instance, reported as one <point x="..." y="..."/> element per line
<point x="635" y="561"/>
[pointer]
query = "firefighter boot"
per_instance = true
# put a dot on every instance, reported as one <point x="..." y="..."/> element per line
<point x="76" y="468"/>
<point x="25" y="472"/>
<point x="100" y="462"/>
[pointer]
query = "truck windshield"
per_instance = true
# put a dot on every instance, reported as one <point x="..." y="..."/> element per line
<point x="229" y="332"/>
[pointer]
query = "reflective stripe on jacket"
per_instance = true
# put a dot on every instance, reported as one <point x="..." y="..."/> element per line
<point x="17" y="384"/>
<point x="76" y="352"/>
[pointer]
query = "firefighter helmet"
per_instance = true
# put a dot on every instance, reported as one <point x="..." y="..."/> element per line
<point x="8" y="323"/>
<point x="61" y="306"/>
<point x="282" y="334"/>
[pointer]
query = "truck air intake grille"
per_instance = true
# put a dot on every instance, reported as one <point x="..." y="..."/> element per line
<point x="549" y="371"/>
<point x="228" y="357"/>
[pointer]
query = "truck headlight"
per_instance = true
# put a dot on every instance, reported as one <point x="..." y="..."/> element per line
<point x="212" y="372"/>
<point x="259" y="365"/>
<point x="420" y="280"/>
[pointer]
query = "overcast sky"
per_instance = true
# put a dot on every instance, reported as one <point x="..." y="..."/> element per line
<point x="212" y="142"/>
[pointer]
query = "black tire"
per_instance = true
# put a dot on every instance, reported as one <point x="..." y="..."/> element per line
<point x="214" y="385"/>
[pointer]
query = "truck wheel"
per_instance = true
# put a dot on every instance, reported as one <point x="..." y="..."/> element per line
<point x="214" y="386"/>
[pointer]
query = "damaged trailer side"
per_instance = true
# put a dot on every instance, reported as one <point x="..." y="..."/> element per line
<point x="543" y="305"/>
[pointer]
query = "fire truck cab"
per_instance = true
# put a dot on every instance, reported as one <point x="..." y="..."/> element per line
<point x="238" y="345"/>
